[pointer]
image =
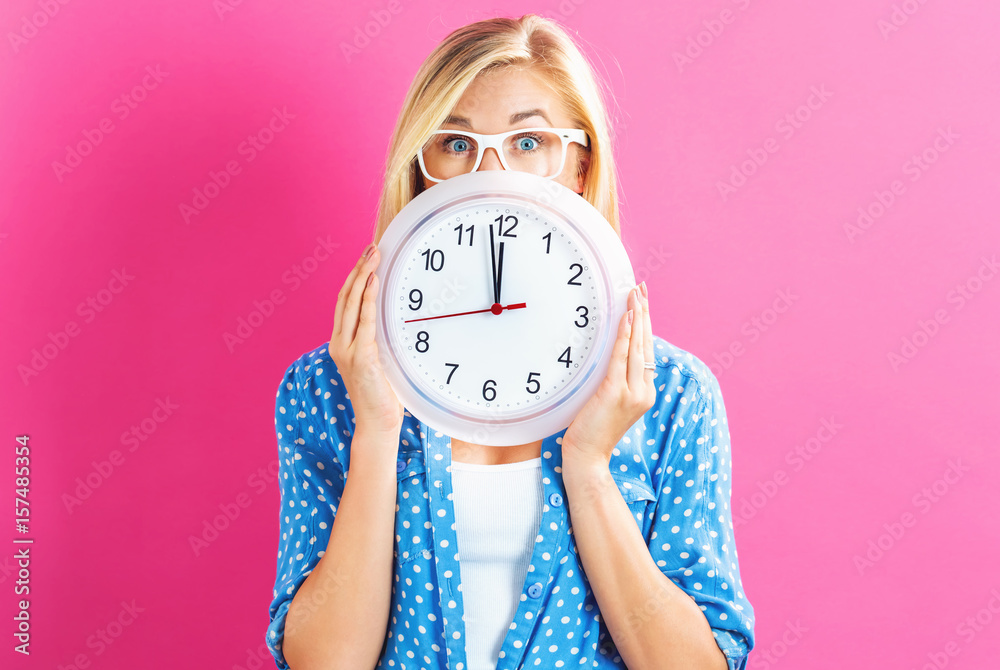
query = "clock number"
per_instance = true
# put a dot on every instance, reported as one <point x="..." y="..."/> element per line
<point x="470" y="229"/>
<point x="564" y="358"/>
<point x="506" y="233"/>
<point x="583" y="316"/>
<point x="416" y="302"/>
<point x="489" y="389"/>
<point x="452" y="372"/>
<point x="579" y="271"/>
<point x="422" y="339"/>
<point x="433" y="260"/>
<point x="548" y="241"/>
<point x="531" y="381"/>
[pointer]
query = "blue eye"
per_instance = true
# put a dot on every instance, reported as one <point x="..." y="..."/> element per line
<point x="526" y="143"/>
<point x="459" y="145"/>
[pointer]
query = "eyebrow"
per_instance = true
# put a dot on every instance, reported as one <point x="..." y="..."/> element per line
<point x="514" y="118"/>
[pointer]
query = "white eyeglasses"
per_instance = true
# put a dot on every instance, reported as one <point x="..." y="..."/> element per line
<point x="541" y="151"/>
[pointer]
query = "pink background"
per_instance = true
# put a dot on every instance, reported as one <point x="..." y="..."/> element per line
<point x="714" y="263"/>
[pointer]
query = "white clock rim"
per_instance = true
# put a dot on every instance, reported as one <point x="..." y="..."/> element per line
<point x="536" y="194"/>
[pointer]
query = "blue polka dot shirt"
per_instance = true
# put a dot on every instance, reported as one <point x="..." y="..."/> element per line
<point x="672" y="469"/>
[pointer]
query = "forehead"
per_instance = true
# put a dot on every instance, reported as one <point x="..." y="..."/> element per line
<point x="493" y="97"/>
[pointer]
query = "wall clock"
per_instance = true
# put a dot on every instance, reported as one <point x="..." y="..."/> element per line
<point x="499" y="305"/>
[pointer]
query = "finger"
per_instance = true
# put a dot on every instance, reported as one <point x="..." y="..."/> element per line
<point x="635" y="349"/>
<point x="366" y="321"/>
<point x="647" y="339"/>
<point x="353" y="306"/>
<point x="345" y="290"/>
<point x="619" y="354"/>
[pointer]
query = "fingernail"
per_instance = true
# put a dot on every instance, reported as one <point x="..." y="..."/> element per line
<point x="628" y="318"/>
<point x="642" y="287"/>
<point x="370" y="278"/>
<point x="369" y="249"/>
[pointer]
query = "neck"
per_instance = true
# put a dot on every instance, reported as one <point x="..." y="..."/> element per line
<point x="467" y="452"/>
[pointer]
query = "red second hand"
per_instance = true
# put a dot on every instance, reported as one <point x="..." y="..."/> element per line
<point x="496" y="309"/>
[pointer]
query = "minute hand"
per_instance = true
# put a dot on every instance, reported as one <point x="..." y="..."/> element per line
<point x="495" y="278"/>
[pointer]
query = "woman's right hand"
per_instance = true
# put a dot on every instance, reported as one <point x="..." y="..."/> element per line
<point x="354" y="350"/>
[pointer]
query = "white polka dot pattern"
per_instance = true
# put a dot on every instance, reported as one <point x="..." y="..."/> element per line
<point x="672" y="468"/>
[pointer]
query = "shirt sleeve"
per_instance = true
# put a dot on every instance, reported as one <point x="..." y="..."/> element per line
<point x="692" y="539"/>
<point x="311" y="481"/>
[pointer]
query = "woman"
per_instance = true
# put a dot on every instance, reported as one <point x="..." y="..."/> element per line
<point x="608" y="544"/>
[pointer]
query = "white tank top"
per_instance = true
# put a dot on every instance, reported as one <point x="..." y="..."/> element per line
<point x="498" y="510"/>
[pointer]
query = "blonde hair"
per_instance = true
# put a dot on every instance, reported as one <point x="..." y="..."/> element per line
<point x="530" y="42"/>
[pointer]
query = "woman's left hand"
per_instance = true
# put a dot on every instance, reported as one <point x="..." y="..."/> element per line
<point x="627" y="392"/>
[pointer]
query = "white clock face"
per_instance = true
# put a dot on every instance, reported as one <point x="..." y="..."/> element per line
<point x="499" y="305"/>
<point x="486" y="355"/>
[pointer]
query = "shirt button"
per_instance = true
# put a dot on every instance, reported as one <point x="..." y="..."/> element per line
<point x="555" y="500"/>
<point x="535" y="590"/>
<point x="400" y="465"/>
